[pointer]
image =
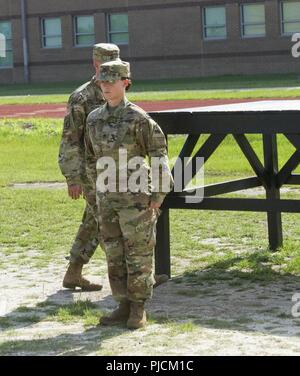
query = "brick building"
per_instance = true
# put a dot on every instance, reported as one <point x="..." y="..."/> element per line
<point x="49" y="41"/>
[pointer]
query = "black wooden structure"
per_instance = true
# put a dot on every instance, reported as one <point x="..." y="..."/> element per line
<point x="268" y="118"/>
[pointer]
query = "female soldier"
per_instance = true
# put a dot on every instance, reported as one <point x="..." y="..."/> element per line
<point x="128" y="207"/>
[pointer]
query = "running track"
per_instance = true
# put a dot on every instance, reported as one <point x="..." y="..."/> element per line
<point x="58" y="110"/>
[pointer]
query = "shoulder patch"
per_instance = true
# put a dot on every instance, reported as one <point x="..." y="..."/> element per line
<point x="92" y="117"/>
<point x="82" y="87"/>
<point x="80" y="94"/>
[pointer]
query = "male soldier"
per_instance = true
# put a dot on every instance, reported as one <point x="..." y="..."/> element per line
<point x="128" y="213"/>
<point x="71" y="161"/>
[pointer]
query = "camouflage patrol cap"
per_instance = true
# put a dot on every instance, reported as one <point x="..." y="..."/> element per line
<point x="114" y="71"/>
<point x="106" y="52"/>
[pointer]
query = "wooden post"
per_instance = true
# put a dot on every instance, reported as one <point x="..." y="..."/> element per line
<point x="272" y="190"/>
<point x="162" y="249"/>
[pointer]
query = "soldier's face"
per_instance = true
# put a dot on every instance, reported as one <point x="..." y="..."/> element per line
<point x="113" y="91"/>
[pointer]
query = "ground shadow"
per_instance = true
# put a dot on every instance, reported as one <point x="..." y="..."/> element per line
<point x="47" y="311"/>
<point x="257" y="298"/>
<point x="222" y="296"/>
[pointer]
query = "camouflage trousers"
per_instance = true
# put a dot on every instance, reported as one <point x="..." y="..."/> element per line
<point x="128" y="230"/>
<point x="88" y="236"/>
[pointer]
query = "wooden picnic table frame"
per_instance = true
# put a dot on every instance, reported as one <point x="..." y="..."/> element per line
<point x="219" y="124"/>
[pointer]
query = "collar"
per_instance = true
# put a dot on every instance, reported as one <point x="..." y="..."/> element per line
<point x="97" y="88"/>
<point x="117" y="110"/>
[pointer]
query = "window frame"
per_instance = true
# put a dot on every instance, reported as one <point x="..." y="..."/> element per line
<point x="8" y="49"/>
<point x="204" y="26"/>
<point x="243" y="24"/>
<point x="44" y="36"/>
<point x="110" y="33"/>
<point x="282" y="20"/>
<point x="76" y="34"/>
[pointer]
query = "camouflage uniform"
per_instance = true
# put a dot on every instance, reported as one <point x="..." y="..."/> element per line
<point x="128" y="225"/>
<point x="71" y="161"/>
<point x="71" y="155"/>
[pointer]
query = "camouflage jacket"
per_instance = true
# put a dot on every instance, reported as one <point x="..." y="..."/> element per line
<point x="71" y="153"/>
<point x="127" y="128"/>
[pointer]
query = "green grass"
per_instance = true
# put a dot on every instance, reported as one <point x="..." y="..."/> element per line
<point x="29" y="152"/>
<point x="221" y="324"/>
<point x="39" y="221"/>
<point x="191" y="293"/>
<point x="263" y="86"/>
<point x="166" y="96"/>
<point x="194" y="83"/>
<point x="23" y="309"/>
<point x="83" y="311"/>
<point x="38" y="89"/>
<point x="33" y="347"/>
<point x="44" y="221"/>
<point x="80" y="310"/>
<point x="5" y="323"/>
<point x="30" y="319"/>
<point x="176" y="328"/>
<point x="220" y="82"/>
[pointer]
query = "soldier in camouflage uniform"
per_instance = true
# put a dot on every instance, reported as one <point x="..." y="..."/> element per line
<point x="128" y="218"/>
<point x="71" y="161"/>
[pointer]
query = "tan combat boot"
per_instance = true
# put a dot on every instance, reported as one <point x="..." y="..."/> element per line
<point x="73" y="279"/>
<point x="137" y="318"/>
<point x="160" y="279"/>
<point x="119" y="315"/>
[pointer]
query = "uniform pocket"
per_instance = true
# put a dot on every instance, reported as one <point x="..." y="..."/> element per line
<point x="151" y="239"/>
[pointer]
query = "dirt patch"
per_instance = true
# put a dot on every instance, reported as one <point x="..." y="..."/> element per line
<point x="261" y="191"/>
<point x="226" y="317"/>
<point x="41" y="185"/>
<point x="56" y="185"/>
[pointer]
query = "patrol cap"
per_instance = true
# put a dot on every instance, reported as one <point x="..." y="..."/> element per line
<point x="106" y="52"/>
<point x="114" y="71"/>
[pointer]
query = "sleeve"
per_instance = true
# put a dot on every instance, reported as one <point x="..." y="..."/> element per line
<point x="71" y="151"/>
<point x="90" y="158"/>
<point x="156" y="148"/>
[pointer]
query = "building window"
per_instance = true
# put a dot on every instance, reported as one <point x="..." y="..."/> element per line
<point x="51" y="33"/>
<point x="6" y="56"/>
<point x="253" y="20"/>
<point x="290" y="17"/>
<point x="118" y="28"/>
<point x="214" y="23"/>
<point x="84" y="31"/>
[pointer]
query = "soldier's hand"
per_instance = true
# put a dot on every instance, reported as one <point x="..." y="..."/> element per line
<point x="74" y="191"/>
<point x="154" y="205"/>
